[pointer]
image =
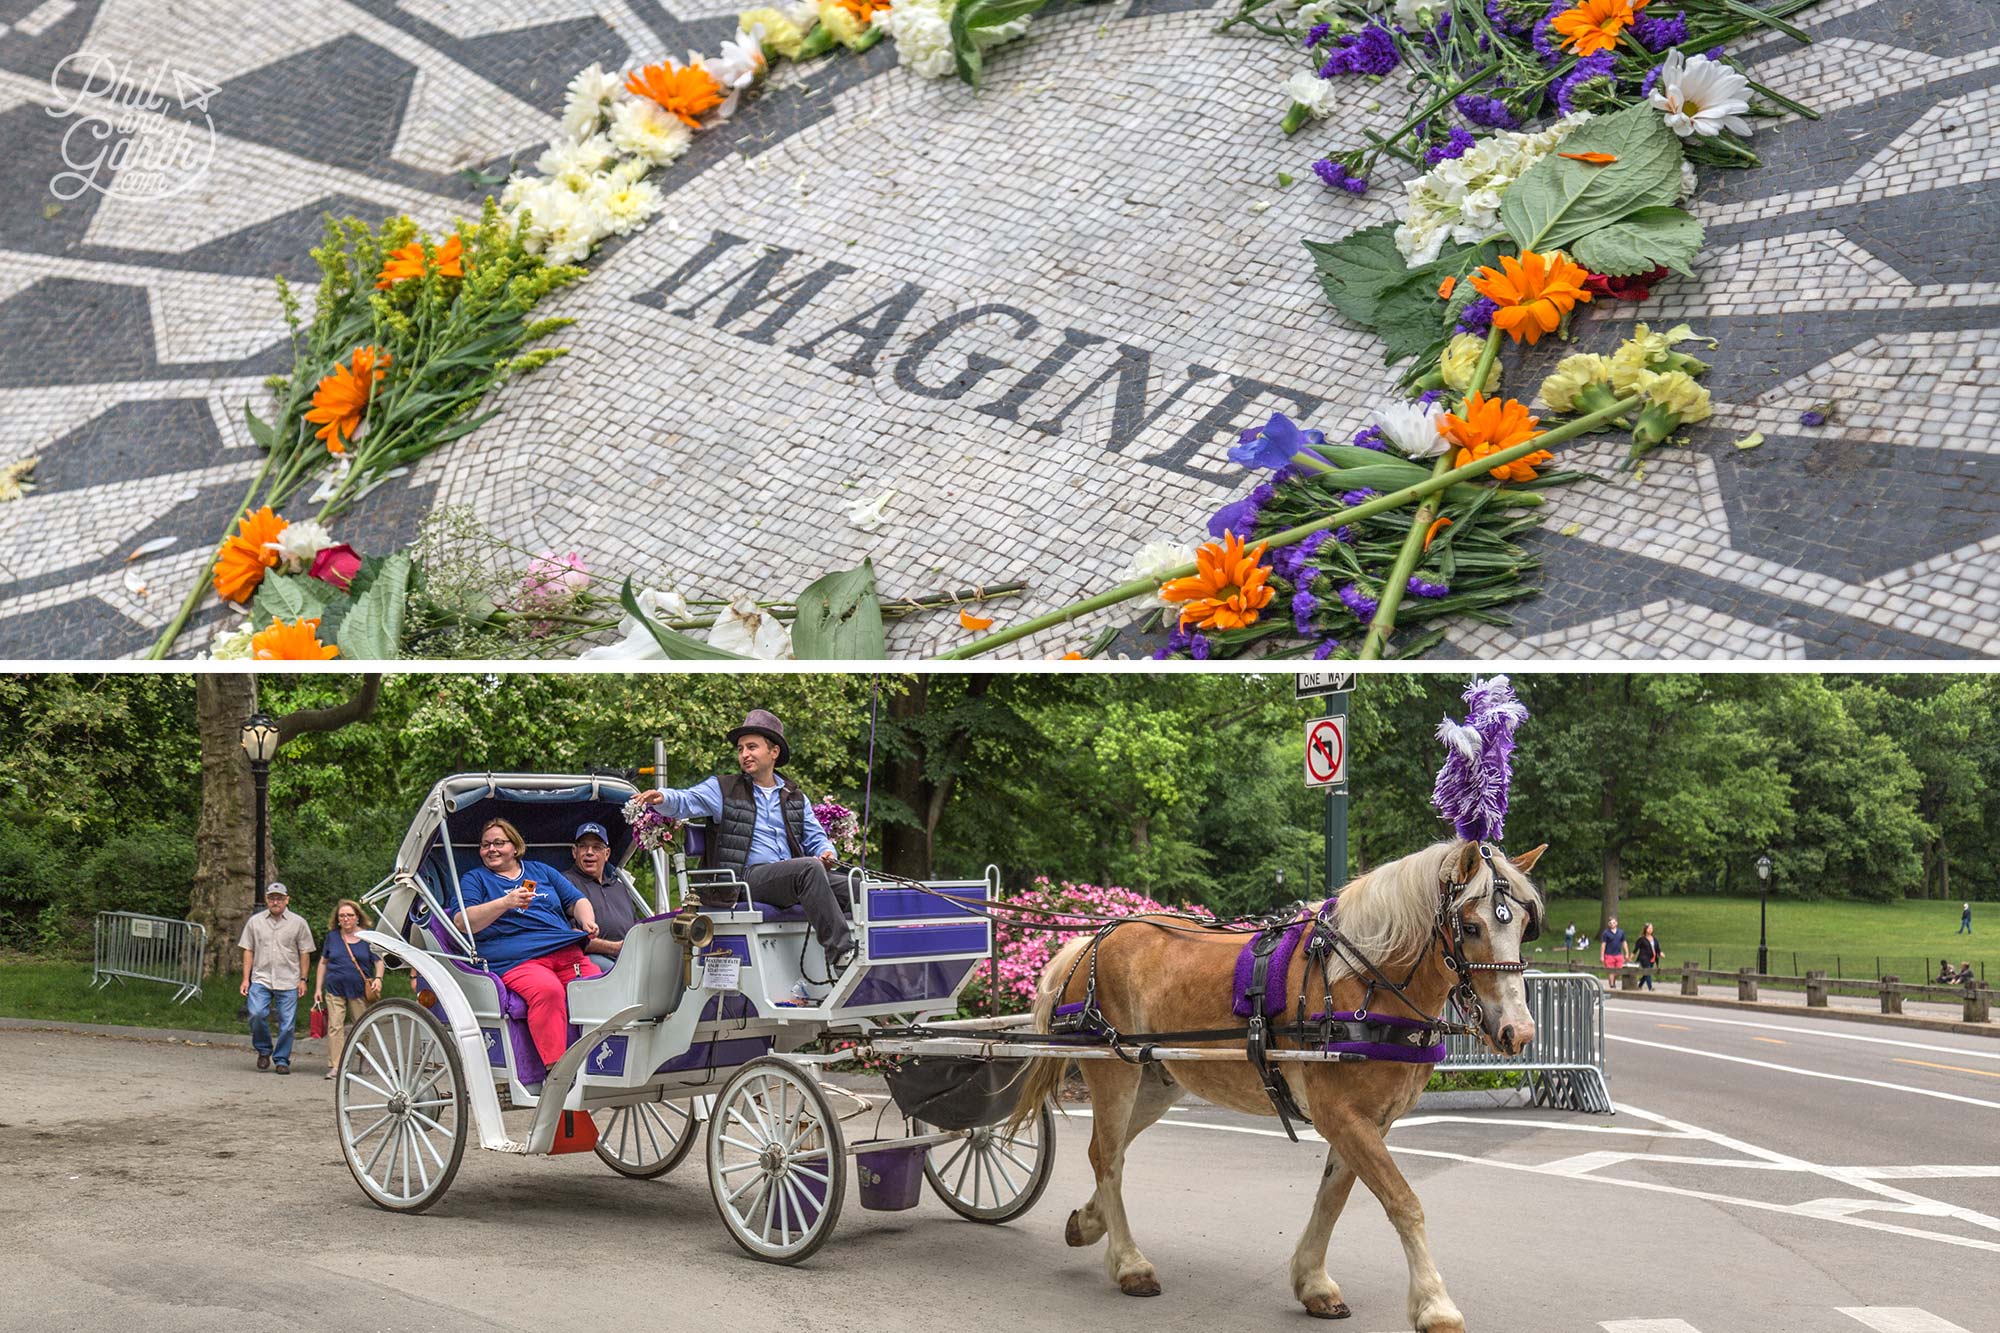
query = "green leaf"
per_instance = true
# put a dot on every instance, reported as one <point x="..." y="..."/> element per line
<point x="1356" y="269"/>
<point x="372" y="629"/>
<point x="289" y="597"/>
<point x="672" y="642"/>
<point x="1557" y="201"/>
<point x="260" y="430"/>
<point x="840" y="616"/>
<point x="972" y="25"/>
<point x="1641" y="242"/>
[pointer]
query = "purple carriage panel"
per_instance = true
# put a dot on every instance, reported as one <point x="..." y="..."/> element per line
<point x="893" y="904"/>
<point x="938" y="940"/>
<point x="907" y="983"/>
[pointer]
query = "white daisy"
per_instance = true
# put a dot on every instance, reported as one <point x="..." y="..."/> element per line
<point x="1413" y="430"/>
<point x="625" y="205"/>
<point x="589" y="91"/>
<point x="593" y="154"/>
<point x="740" y="65"/>
<point x="1700" y="96"/>
<point x="641" y="129"/>
<point x="300" y="542"/>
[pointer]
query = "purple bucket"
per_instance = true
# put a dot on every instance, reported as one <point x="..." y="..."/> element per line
<point x="891" y="1178"/>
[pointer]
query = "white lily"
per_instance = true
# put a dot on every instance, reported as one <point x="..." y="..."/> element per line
<point x="748" y="630"/>
<point x="1413" y="430"/>
<point x="869" y="514"/>
<point x="1156" y="558"/>
<point x="638" y="643"/>
<point x="1701" y="97"/>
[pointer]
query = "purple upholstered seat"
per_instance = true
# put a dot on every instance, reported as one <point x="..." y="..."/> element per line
<point x="528" y="1064"/>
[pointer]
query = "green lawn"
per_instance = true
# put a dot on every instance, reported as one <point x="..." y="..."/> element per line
<point x="30" y="988"/>
<point x="1845" y="938"/>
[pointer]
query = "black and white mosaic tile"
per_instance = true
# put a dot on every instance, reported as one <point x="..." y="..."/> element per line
<point x="1038" y="314"/>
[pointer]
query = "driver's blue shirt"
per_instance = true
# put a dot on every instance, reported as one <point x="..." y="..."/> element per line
<point x="767" y="838"/>
<point x="521" y="933"/>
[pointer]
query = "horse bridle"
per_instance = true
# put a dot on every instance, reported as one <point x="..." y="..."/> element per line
<point x="1450" y="932"/>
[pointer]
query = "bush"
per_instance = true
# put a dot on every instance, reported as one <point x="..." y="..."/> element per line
<point x="1027" y="943"/>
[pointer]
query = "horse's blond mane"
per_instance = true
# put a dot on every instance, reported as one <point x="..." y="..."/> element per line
<point x="1388" y="912"/>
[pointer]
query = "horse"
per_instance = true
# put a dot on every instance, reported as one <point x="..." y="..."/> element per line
<point x="1449" y="918"/>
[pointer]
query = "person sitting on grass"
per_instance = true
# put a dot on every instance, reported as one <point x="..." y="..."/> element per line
<point x="530" y="924"/>
<point x="1964" y="977"/>
<point x="1944" y="972"/>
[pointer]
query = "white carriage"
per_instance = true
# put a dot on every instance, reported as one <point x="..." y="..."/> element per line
<point x="700" y="1018"/>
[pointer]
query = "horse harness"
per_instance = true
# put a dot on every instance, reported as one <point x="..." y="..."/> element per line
<point x="1357" y="1036"/>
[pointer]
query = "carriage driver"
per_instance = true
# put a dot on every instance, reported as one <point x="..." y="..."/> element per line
<point x="765" y="830"/>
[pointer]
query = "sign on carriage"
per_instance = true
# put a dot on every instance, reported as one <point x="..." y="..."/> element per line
<point x="720" y="971"/>
<point x="1326" y="752"/>
<point x="1318" y="684"/>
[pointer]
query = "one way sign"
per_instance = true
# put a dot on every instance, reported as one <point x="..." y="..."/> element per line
<point x="1326" y="752"/>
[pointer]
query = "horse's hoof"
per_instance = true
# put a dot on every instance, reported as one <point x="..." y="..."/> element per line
<point x="1325" y="1307"/>
<point x="1139" y="1284"/>
<point x="1073" y="1233"/>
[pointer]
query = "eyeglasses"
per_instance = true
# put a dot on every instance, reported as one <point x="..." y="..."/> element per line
<point x="501" y="843"/>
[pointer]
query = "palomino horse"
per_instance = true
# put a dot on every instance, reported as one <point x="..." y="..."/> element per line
<point x="1406" y="918"/>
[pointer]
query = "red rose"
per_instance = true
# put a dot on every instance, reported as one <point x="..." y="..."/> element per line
<point x="336" y="565"/>
<point x="1637" y="287"/>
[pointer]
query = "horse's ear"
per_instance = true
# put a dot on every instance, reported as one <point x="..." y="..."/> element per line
<point x="1525" y="861"/>
<point x="1467" y="863"/>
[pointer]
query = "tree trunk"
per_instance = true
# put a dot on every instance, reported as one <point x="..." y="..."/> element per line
<point x="1614" y="862"/>
<point x="906" y="850"/>
<point x="225" y="891"/>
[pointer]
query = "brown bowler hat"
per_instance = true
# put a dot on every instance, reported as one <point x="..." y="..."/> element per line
<point x="761" y="722"/>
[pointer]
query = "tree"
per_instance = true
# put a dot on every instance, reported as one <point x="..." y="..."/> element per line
<point x="224" y="893"/>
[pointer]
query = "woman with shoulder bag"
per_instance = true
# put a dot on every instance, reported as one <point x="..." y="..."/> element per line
<point x="350" y="976"/>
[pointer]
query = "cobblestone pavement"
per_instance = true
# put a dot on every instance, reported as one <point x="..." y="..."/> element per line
<point x="1036" y="313"/>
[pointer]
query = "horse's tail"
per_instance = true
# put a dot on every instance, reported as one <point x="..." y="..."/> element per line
<point x="1045" y="1074"/>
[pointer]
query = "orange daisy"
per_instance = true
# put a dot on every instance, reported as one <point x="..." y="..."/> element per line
<point x="408" y="262"/>
<point x="342" y="397"/>
<point x="1227" y="589"/>
<point x="1533" y="292"/>
<point x="1594" y="25"/>
<point x="296" y="642"/>
<point x="683" y="90"/>
<point x="1488" y="426"/>
<point x="240" y="564"/>
<point x="864" y="11"/>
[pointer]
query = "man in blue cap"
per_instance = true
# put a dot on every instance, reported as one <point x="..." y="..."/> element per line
<point x="609" y="891"/>
<point x="765" y="830"/>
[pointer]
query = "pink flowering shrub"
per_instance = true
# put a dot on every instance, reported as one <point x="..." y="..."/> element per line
<point x="1028" y="942"/>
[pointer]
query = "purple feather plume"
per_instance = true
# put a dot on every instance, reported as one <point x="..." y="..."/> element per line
<point x="1471" y="789"/>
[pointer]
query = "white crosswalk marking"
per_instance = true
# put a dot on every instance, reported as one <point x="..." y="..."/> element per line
<point x="1899" y="1319"/>
<point x="1648" y="1326"/>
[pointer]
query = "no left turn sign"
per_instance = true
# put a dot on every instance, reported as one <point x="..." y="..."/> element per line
<point x="1326" y="752"/>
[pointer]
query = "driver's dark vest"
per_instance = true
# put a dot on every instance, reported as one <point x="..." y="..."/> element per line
<point x="739" y="821"/>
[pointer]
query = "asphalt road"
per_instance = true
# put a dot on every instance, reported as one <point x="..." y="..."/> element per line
<point x="1761" y="1176"/>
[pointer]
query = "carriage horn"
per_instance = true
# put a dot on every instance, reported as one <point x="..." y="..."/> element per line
<point x="697" y="931"/>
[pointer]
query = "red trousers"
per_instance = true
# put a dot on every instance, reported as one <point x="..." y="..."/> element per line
<point x="543" y="983"/>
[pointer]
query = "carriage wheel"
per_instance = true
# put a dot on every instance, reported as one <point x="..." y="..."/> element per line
<point x="400" y="1105"/>
<point x="995" y="1174"/>
<point x="776" y="1165"/>
<point x="646" y="1140"/>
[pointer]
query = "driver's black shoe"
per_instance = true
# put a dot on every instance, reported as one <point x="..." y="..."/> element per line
<point x="842" y="960"/>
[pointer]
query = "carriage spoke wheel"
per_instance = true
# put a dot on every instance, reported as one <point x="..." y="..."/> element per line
<point x="399" y="1102"/>
<point x="776" y="1165"/>
<point x="646" y="1140"/>
<point x="994" y="1174"/>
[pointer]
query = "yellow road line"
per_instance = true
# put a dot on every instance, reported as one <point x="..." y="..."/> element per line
<point x="1674" y="1027"/>
<point x="1956" y="1069"/>
<point x="1771" y="1041"/>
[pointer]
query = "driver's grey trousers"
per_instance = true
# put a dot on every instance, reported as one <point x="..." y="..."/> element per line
<point x="803" y="879"/>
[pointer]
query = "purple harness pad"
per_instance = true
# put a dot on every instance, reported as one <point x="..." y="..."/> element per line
<point x="1382" y="1050"/>
<point x="1274" y="975"/>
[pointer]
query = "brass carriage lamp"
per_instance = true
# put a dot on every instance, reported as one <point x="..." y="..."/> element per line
<point x="260" y="743"/>
<point x="1763" y="900"/>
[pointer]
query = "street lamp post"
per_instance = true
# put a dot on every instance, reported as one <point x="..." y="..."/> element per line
<point x="1763" y="915"/>
<point x="1281" y="884"/>
<point x="260" y="742"/>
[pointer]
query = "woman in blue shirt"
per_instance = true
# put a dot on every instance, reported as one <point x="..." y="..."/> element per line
<point x="350" y="976"/>
<point x="530" y="924"/>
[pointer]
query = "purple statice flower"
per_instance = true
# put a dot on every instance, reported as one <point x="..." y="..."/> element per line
<point x="1272" y="444"/>
<point x="1304" y="604"/>
<point x="1362" y="496"/>
<point x="1471" y="788"/>
<point x="1370" y="51"/>
<point x="1598" y="66"/>
<point x="1292" y="563"/>
<point x="1370" y="437"/>
<point x="1713" y="53"/>
<point x="1288" y="473"/>
<point x="1503" y="19"/>
<point x="1425" y="589"/>
<point x="1657" y="34"/>
<point x="1336" y="176"/>
<point x="1344" y="535"/>
<point x="1199" y="648"/>
<point x="1360" y="603"/>
<point x="1327" y="648"/>
<point x="1549" y="47"/>
<point x="1652" y="77"/>
<point x="1477" y="317"/>
<point x="1812" y="416"/>
<point x="1317" y="34"/>
<point x="1452" y="147"/>
<point x="1429" y="396"/>
<point x="1488" y="111"/>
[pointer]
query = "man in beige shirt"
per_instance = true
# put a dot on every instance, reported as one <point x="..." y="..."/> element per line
<point x="275" y="944"/>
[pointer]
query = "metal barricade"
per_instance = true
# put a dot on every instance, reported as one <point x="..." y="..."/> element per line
<point x="1565" y="1064"/>
<point x="135" y="947"/>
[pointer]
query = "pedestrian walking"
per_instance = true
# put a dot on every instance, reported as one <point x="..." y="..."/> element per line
<point x="350" y="976"/>
<point x="1611" y="951"/>
<point x="275" y="944"/>
<point x="1646" y="950"/>
<point x="1965" y="919"/>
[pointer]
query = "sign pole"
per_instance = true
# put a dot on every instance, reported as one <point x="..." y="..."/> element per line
<point x="1336" y="819"/>
<point x="1326" y="762"/>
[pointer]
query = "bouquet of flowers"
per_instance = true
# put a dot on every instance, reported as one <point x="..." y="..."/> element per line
<point x="653" y="829"/>
<point x="843" y="827"/>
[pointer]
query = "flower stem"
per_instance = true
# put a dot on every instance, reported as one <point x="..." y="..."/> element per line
<point x="1126" y="591"/>
<point x="165" y="642"/>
